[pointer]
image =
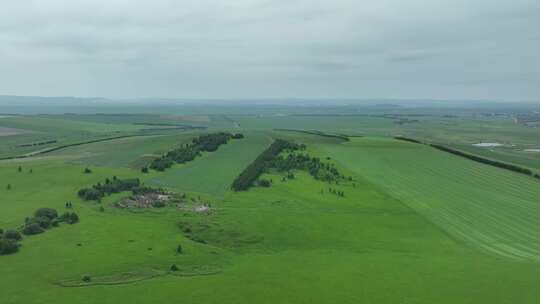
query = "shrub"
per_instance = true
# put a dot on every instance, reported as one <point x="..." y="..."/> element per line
<point x="179" y="249"/>
<point x="70" y="217"/>
<point x="13" y="235"/>
<point x="158" y="204"/>
<point x="46" y="212"/>
<point x="88" y="194"/>
<point x="43" y="221"/>
<point x="264" y="183"/>
<point x="8" y="246"/>
<point x="74" y="218"/>
<point x="32" y="228"/>
<point x="87" y="171"/>
<point x="86" y="278"/>
<point x="144" y="170"/>
<point x="174" y="267"/>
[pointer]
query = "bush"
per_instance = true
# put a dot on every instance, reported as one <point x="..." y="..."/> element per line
<point x="12" y="235"/>
<point x="87" y="171"/>
<point x="43" y="221"/>
<point x="264" y="183"/>
<point x="179" y="249"/>
<point x="174" y="267"/>
<point x="8" y="246"/>
<point x="158" y="204"/>
<point x="32" y="228"/>
<point x="70" y="217"/>
<point x="46" y="212"/>
<point x="88" y="194"/>
<point x="86" y="278"/>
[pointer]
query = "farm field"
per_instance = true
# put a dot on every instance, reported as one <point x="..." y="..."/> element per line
<point x="413" y="224"/>
<point x="492" y="209"/>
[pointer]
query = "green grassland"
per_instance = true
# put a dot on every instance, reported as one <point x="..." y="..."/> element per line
<point x="63" y="131"/>
<point x="416" y="225"/>
<point x="492" y="209"/>
<point x="214" y="172"/>
<point x="124" y="152"/>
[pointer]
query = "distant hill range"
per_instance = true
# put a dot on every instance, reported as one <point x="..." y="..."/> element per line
<point x="64" y="104"/>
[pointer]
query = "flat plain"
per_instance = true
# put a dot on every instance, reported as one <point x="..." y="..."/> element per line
<point x="414" y="224"/>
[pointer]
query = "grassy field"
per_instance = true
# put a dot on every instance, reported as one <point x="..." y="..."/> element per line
<point x="214" y="172"/>
<point x="415" y="225"/>
<point x="489" y="208"/>
<point x="125" y="152"/>
<point x="285" y="244"/>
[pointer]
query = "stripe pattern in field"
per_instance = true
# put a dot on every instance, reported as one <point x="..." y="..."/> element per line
<point x="491" y="208"/>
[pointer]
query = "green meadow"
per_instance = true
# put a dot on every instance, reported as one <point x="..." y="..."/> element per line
<point x="415" y="225"/>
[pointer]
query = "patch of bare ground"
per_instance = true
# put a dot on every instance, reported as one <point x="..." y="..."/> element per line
<point x="12" y="131"/>
<point x="145" y="200"/>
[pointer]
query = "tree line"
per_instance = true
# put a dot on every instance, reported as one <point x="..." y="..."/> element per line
<point x="188" y="152"/>
<point x="114" y="185"/>
<point x="476" y="158"/>
<point x="295" y="160"/>
<point x="484" y="160"/>
<point x="247" y="178"/>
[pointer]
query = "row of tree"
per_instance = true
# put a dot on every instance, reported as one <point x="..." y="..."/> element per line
<point x="247" y="178"/>
<point x="188" y="152"/>
<point x="114" y="185"/>
<point x="475" y="158"/>
<point x="486" y="161"/>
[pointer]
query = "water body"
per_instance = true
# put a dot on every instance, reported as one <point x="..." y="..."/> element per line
<point x="488" y="145"/>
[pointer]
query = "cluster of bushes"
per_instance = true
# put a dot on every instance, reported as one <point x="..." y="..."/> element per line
<point x="188" y="152"/>
<point x="141" y="190"/>
<point x="99" y="190"/>
<point x="43" y="219"/>
<point x="9" y="241"/>
<point x="264" y="161"/>
<point x="316" y="168"/>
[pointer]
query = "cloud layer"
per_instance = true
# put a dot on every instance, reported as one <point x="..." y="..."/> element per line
<point x="268" y="48"/>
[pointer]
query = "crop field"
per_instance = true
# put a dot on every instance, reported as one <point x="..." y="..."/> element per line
<point x="490" y="208"/>
<point x="398" y="223"/>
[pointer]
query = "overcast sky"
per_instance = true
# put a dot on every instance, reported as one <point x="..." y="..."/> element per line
<point x="445" y="49"/>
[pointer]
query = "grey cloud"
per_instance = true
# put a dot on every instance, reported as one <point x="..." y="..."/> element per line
<point x="271" y="48"/>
